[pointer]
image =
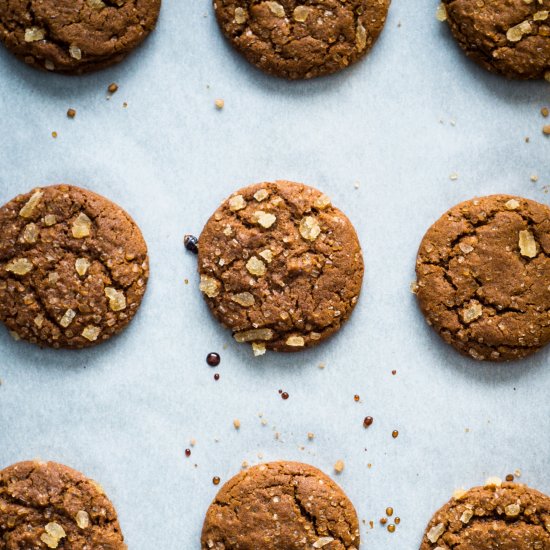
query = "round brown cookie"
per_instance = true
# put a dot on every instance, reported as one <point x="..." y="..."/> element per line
<point x="281" y="506"/>
<point x="75" y="36"/>
<point x="509" y="37"/>
<point x="47" y="505"/>
<point x="280" y="266"/>
<point x="73" y="267"/>
<point x="483" y="277"/>
<point x="302" y="38"/>
<point x="505" y="516"/>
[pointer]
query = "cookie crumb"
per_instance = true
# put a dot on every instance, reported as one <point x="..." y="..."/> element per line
<point x="71" y="113"/>
<point x="54" y="135"/>
<point x="236" y="423"/>
<point x="544" y="112"/>
<point x="546" y="130"/>
<point x="339" y="466"/>
<point x="219" y="103"/>
<point x="310" y="435"/>
<point x="534" y="178"/>
<point x="113" y="88"/>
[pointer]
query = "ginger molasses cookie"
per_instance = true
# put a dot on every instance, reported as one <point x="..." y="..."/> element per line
<point x="75" y="36"/>
<point x="505" y="516"/>
<point x="483" y="277"/>
<point x="300" y="39"/>
<point x="48" y="505"/>
<point x="73" y="267"/>
<point x="280" y="266"/>
<point x="281" y="506"/>
<point x="509" y="37"/>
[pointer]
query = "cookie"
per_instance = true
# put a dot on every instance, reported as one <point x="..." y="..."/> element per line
<point x="299" y="39"/>
<point x="75" y="36"/>
<point x="73" y="267"/>
<point x="280" y="266"/>
<point x="281" y="506"/>
<point x="505" y="516"/>
<point x="483" y="277"/>
<point x="508" y="37"/>
<point x="47" y="505"/>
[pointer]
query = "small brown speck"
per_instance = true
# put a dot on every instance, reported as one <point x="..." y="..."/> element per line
<point x="216" y="377"/>
<point x="510" y="477"/>
<point x="389" y="511"/>
<point x="368" y="421"/>
<point x="339" y="466"/>
<point x="112" y="88"/>
<point x="394" y="372"/>
<point x="216" y="480"/>
<point x="394" y="434"/>
<point x="383" y="521"/>
<point x="125" y="105"/>
<point x="54" y="135"/>
<point x="527" y="140"/>
<point x="397" y="521"/>
<point x="188" y="452"/>
<point x="544" y="112"/>
<point x="356" y="398"/>
<point x="71" y="113"/>
<point x="219" y="103"/>
<point x="284" y="395"/>
<point x="391" y="528"/>
<point x="546" y="130"/>
<point x="237" y="423"/>
<point x="310" y="435"/>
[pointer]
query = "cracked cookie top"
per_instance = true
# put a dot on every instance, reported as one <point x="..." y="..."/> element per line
<point x="75" y="36"/>
<point x="509" y="37"/>
<point x="499" y="516"/>
<point x="280" y="266"/>
<point x="47" y="505"/>
<point x="483" y="277"/>
<point x="300" y="39"/>
<point x="281" y="506"/>
<point x="73" y="267"/>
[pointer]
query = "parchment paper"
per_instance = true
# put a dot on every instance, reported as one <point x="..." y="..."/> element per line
<point x="397" y="125"/>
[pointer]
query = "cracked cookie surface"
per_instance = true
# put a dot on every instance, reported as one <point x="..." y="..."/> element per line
<point x="281" y="506"/>
<point x="75" y="36"/>
<point x="483" y="277"/>
<point x="47" y="505"/>
<point x="73" y="267"/>
<point x="505" y="516"/>
<point x="509" y="37"/>
<point x="280" y="266"/>
<point x="300" y="39"/>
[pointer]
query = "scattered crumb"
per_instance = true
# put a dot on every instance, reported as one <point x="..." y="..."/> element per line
<point x="356" y="185"/>
<point x="219" y="103"/>
<point x="534" y="178"/>
<point x="125" y="105"/>
<point x="517" y="472"/>
<point x="322" y="365"/>
<point x="453" y="176"/>
<point x="186" y="281"/>
<point x="544" y="112"/>
<point x="244" y="465"/>
<point x="112" y="88"/>
<point x="264" y="422"/>
<point x="310" y="435"/>
<point x="71" y="113"/>
<point x="453" y="122"/>
<point x="193" y="442"/>
<point x="237" y="423"/>
<point x="546" y="130"/>
<point x="54" y="135"/>
<point x="339" y="466"/>
<point x="527" y="140"/>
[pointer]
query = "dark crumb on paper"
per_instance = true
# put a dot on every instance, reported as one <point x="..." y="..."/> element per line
<point x="510" y="477"/>
<point x="187" y="453"/>
<point x="213" y="359"/>
<point x="546" y="130"/>
<point x="368" y="421"/>
<point x="191" y="243"/>
<point x="394" y="372"/>
<point x="219" y="103"/>
<point x="356" y="398"/>
<point x="391" y="528"/>
<point x="216" y="377"/>
<point x="284" y="394"/>
<point x="112" y="88"/>
<point x="216" y="480"/>
<point x="54" y="135"/>
<point x="125" y="105"/>
<point x="394" y="434"/>
<point x="544" y="112"/>
<point x="71" y="113"/>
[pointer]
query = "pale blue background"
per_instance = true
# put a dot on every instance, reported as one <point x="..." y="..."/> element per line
<point x="124" y="412"/>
